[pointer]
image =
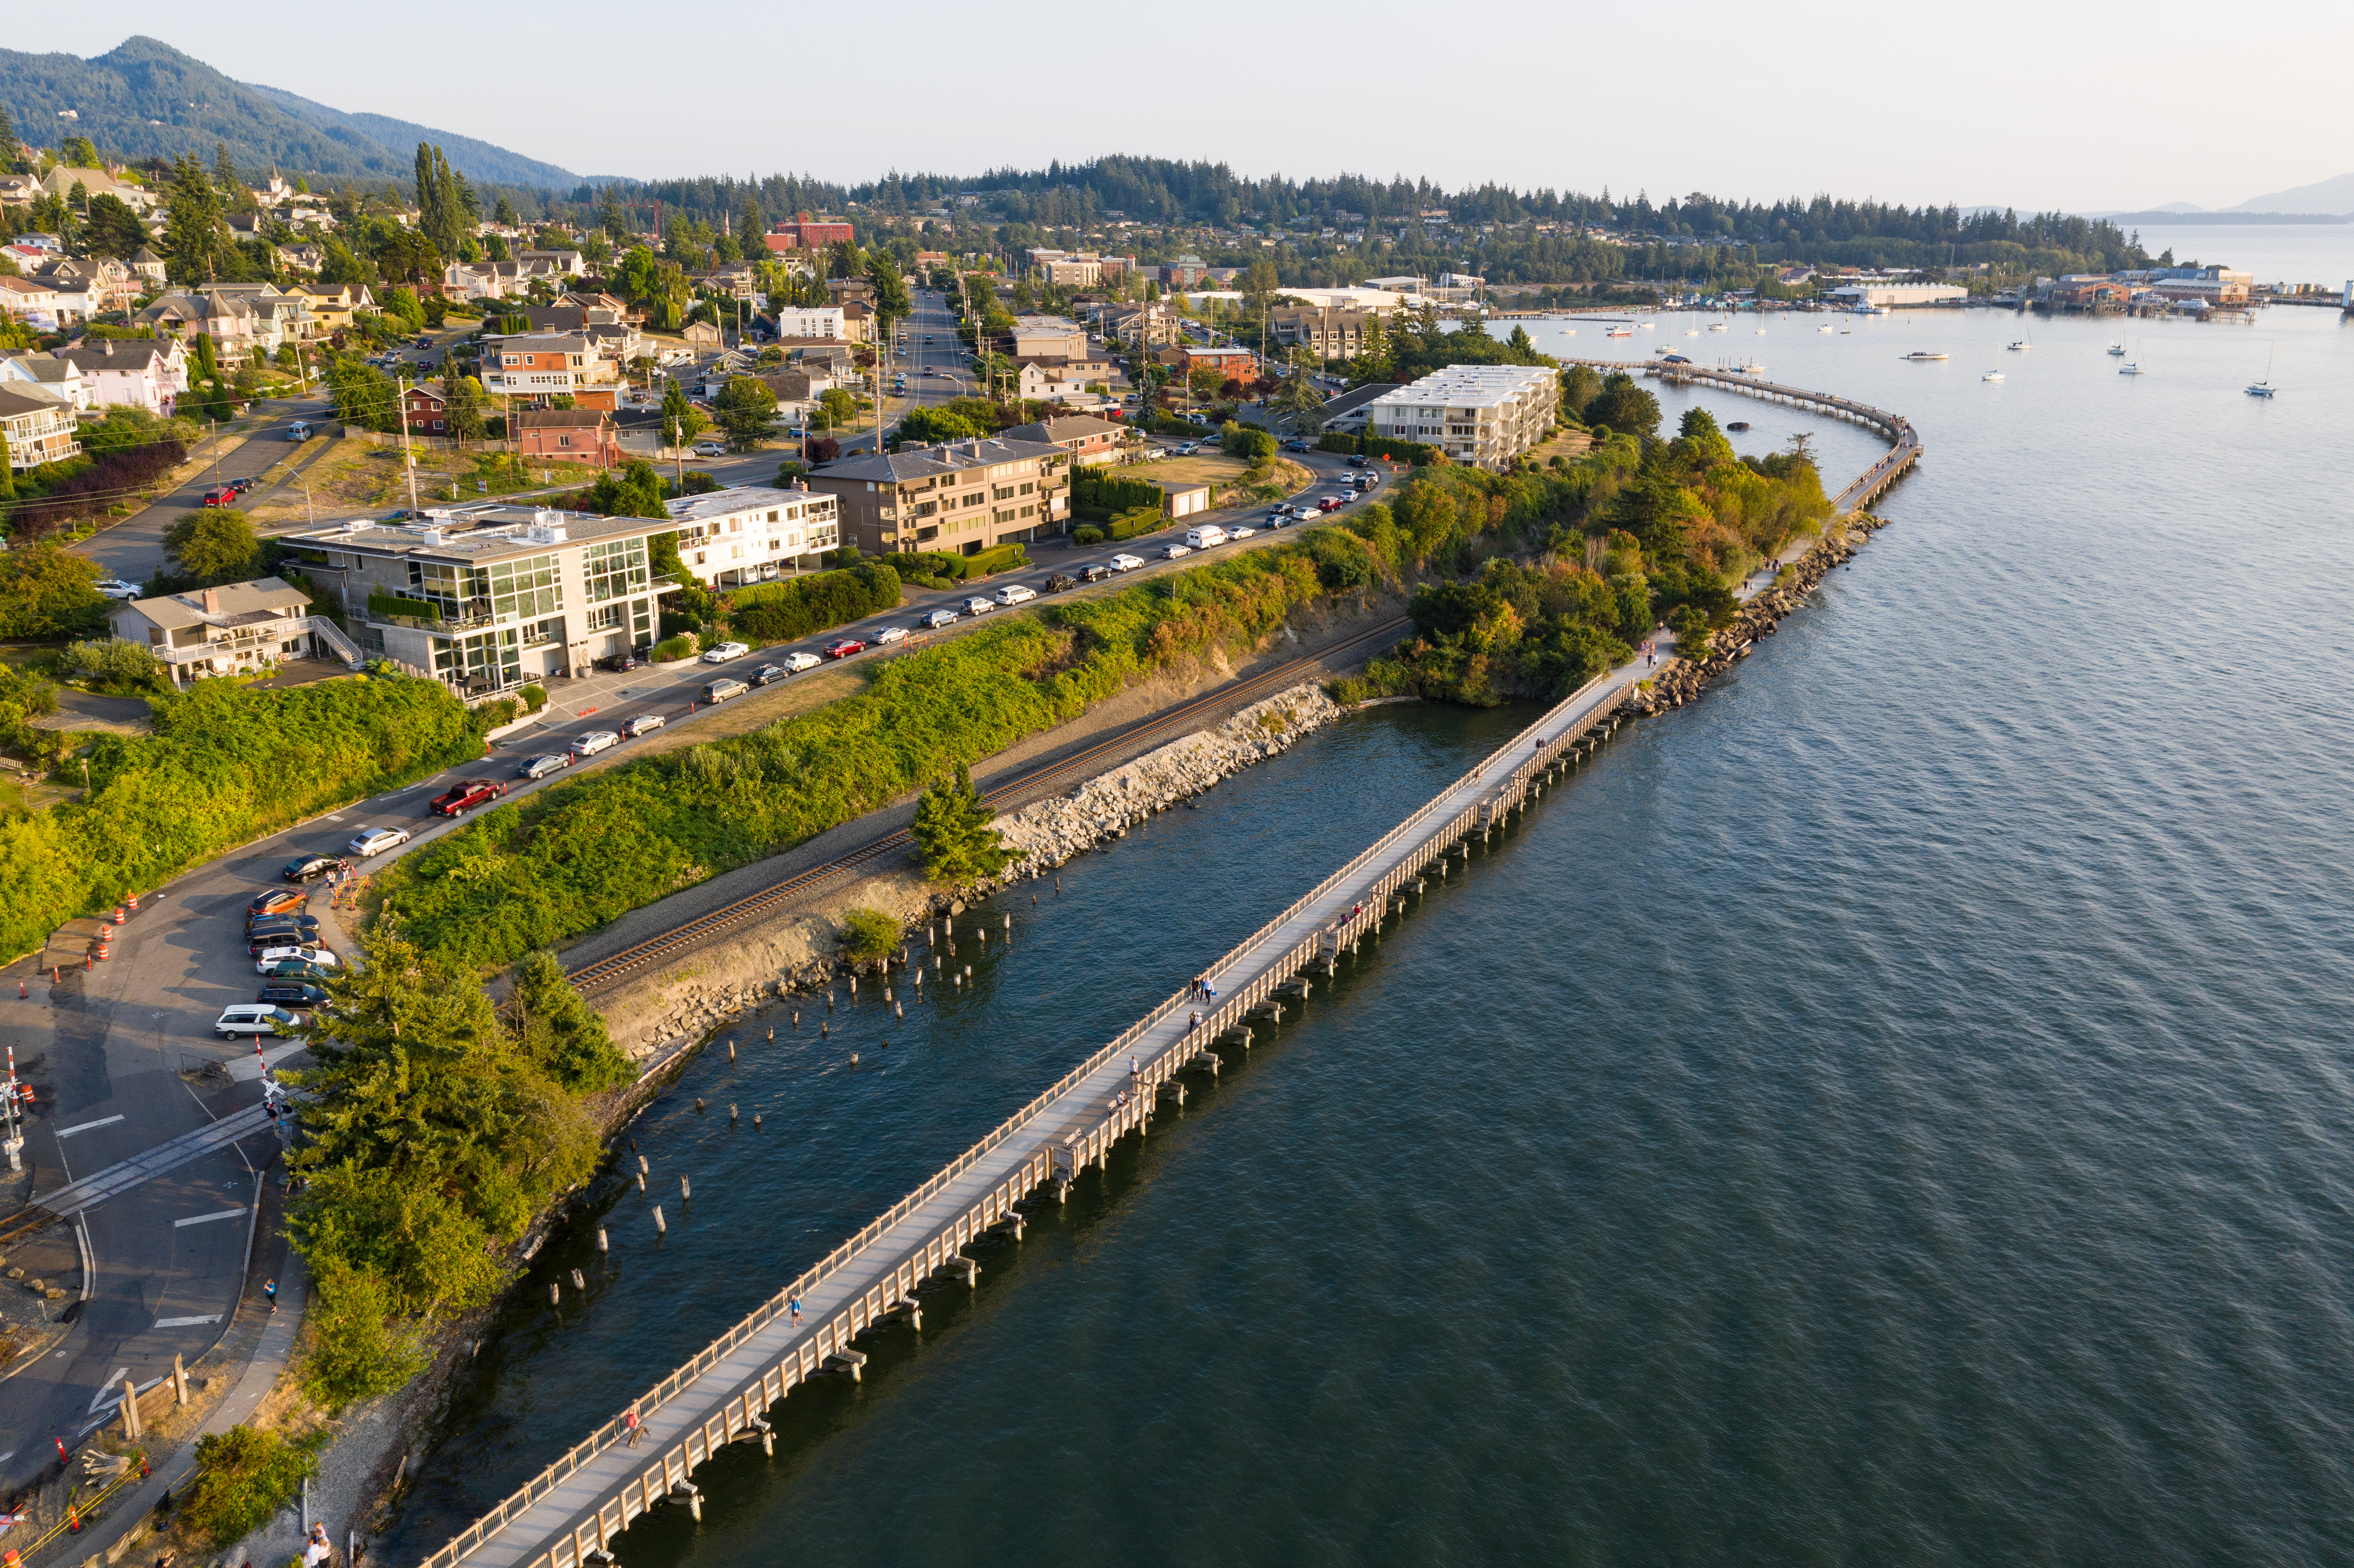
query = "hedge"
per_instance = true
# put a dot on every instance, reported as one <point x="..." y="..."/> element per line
<point x="1110" y="492"/>
<point x="1414" y="452"/>
<point x="225" y="766"/>
<point x="783" y="611"/>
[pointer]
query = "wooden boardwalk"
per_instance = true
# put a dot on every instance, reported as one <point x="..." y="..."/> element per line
<point x="569" y="1514"/>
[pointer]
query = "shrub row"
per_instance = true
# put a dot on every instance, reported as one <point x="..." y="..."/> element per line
<point x="783" y="611"/>
<point x="1414" y="452"/>
<point x="1098" y="490"/>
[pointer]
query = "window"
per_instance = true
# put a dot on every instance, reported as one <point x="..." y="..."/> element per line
<point x="528" y="588"/>
<point x="614" y="568"/>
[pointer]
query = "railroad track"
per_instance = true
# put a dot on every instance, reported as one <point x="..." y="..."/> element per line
<point x="606" y="970"/>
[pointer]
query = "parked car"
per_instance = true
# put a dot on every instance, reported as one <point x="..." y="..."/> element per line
<point x="376" y="841"/>
<point x="1208" y="536"/>
<point x="978" y="605"/>
<point x="220" y="495"/>
<point x="1094" y="572"/>
<point x="843" y="647"/>
<point x="116" y="587"/>
<point x="595" y="741"/>
<point x="768" y="674"/>
<point x="1061" y="581"/>
<point x="797" y="662"/>
<point x="709" y="449"/>
<point x="1016" y="593"/>
<point x="252" y="1018"/>
<point x="308" y="867"/>
<point x="725" y="652"/>
<point x="272" y="957"/>
<point x="281" y="934"/>
<point x="295" y="970"/>
<point x="1243" y="533"/>
<point x="889" y="635"/>
<point x="1170" y="552"/>
<point x="938" y="619"/>
<point x="644" y="724"/>
<point x="1124" y="563"/>
<point x="541" y="766"/>
<point x="464" y="797"/>
<point x="721" y="689"/>
<point x="276" y="901"/>
<point x="292" y="993"/>
<point x="621" y="663"/>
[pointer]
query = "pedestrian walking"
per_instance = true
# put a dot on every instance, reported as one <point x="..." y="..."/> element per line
<point x="269" y="1289"/>
<point x="630" y="1425"/>
<point x="1195" y="1022"/>
<point x="797" y="1311"/>
<point x="318" y="1548"/>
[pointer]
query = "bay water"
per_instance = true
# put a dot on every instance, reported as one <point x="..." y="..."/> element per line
<point x="1895" y="1108"/>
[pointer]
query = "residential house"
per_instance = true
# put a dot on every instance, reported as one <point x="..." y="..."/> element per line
<point x="732" y="280"/>
<point x="1090" y="441"/>
<point x="568" y="263"/>
<point x="858" y="320"/>
<point x="1039" y="383"/>
<point x="333" y="305"/>
<point x="751" y="533"/>
<point x="42" y="305"/>
<point x="607" y="324"/>
<point x="702" y="334"/>
<point x="1050" y="338"/>
<point x="109" y="284"/>
<point x="133" y="372"/>
<point x="488" y="596"/>
<point x="1481" y="414"/>
<point x="52" y="373"/>
<point x="568" y="435"/>
<point x="227" y="319"/>
<point x="423" y="409"/>
<point x="61" y="180"/>
<point x="236" y="629"/>
<point x="962" y="497"/>
<point x="839" y="290"/>
<point x="40" y="424"/>
<point x="1154" y="319"/>
<point x="544" y="366"/>
<point x="301" y="256"/>
<point x="280" y="319"/>
<point x="1232" y="364"/>
<point x="474" y="280"/>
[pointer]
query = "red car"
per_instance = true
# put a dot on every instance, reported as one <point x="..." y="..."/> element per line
<point x="220" y="495"/>
<point x="845" y="649"/>
<point x="466" y="796"/>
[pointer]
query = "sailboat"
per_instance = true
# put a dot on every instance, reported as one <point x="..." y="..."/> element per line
<point x="1825" y="327"/>
<point x="1991" y="375"/>
<point x="2130" y="367"/>
<point x="2264" y="388"/>
<point x="2023" y="346"/>
<point x="2118" y="349"/>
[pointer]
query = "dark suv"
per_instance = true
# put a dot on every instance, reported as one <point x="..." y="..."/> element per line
<point x="281" y="931"/>
<point x="309" y="867"/>
<point x="1060" y="581"/>
<point x="292" y="993"/>
<point x="621" y="663"/>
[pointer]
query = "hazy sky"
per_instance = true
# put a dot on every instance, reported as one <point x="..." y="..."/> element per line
<point x="2071" y="105"/>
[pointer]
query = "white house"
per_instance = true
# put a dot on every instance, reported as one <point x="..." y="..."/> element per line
<point x="50" y="373"/>
<point x="811" y="321"/>
<point x="751" y="533"/>
<point x="139" y="373"/>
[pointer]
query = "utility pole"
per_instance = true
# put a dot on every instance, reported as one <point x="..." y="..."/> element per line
<point x="407" y="458"/>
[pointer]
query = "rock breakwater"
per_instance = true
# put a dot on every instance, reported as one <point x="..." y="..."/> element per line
<point x="1047" y="834"/>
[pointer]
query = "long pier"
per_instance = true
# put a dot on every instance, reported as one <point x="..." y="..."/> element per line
<point x="569" y="1515"/>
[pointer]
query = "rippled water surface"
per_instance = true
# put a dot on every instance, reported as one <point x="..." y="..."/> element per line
<point x="1894" y="1109"/>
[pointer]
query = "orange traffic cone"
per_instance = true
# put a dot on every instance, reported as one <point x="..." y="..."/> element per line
<point x="73" y="1519"/>
<point x="119" y="916"/>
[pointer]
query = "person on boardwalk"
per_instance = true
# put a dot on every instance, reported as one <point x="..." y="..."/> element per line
<point x="318" y="1548"/>
<point x="630" y="1425"/>
<point x="1195" y="1022"/>
<point x="269" y="1289"/>
<point x="797" y="1311"/>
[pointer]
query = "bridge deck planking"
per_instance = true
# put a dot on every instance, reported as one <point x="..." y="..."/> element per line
<point x="578" y="1505"/>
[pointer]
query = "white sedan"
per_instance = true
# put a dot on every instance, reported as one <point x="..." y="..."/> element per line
<point x="116" y="587"/>
<point x="889" y="635"/>
<point x="595" y="741"/>
<point x="797" y="662"/>
<point x="725" y="652"/>
<point x="273" y="957"/>
<point x="376" y="841"/>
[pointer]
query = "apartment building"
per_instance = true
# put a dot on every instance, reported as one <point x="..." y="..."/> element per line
<point x="489" y="596"/>
<point x="1482" y="413"/>
<point x="803" y="234"/>
<point x="1330" y="334"/>
<point x="961" y="496"/>
<point x="752" y="534"/>
<point x="543" y="365"/>
<point x="236" y="629"/>
<point x="812" y="322"/>
<point x="1049" y="338"/>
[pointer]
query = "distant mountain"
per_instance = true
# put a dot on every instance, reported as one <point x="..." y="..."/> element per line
<point x="2329" y="195"/>
<point x="146" y="99"/>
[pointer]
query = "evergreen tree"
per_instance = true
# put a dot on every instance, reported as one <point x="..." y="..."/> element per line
<point x="225" y="183"/>
<point x="559" y="1033"/>
<point x="8" y="471"/>
<point x="429" y="197"/>
<point x="505" y="216"/>
<point x="193" y="234"/>
<point x="7" y="137"/>
<point x="953" y="834"/>
<point x="462" y="407"/>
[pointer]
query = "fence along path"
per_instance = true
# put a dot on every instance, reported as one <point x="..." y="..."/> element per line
<point x="568" y="1515"/>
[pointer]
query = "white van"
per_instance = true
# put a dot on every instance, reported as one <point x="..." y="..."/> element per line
<point x="253" y="1018"/>
<point x="1203" y="539"/>
<point x="1015" y="593"/>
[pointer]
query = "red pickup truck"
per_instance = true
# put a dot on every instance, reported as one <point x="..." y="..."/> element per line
<point x="466" y="796"/>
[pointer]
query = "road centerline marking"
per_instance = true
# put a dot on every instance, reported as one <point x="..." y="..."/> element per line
<point x="208" y="1219"/>
<point x="88" y="1126"/>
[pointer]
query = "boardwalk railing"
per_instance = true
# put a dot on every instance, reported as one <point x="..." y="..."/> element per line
<point x="768" y="1349"/>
